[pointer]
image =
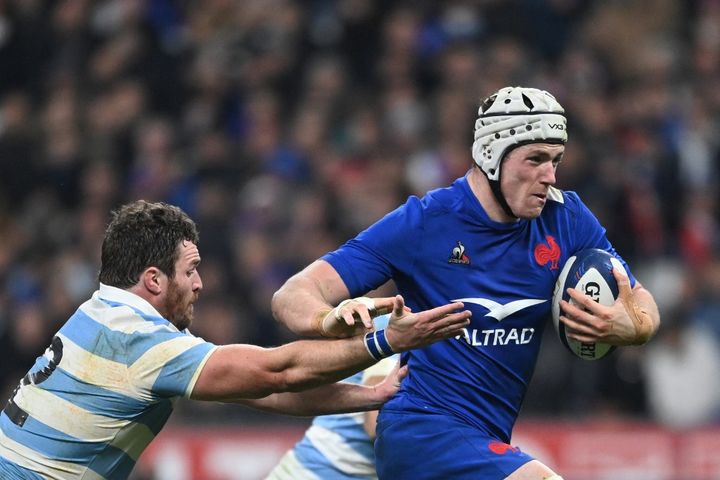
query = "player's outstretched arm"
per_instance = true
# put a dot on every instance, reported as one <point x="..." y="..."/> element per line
<point x="632" y="320"/>
<point x="247" y="371"/>
<point x="333" y="398"/>
<point x="315" y="302"/>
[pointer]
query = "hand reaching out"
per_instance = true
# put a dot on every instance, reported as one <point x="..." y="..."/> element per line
<point x="391" y="384"/>
<point x="407" y="330"/>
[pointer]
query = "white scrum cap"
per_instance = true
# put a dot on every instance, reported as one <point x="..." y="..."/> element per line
<point x="515" y="116"/>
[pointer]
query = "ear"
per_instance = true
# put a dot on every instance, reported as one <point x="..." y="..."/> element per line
<point x="153" y="280"/>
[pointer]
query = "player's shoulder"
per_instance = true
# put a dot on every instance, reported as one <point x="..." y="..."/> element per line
<point x="444" y="199"/>
<point x="435" y="203"/>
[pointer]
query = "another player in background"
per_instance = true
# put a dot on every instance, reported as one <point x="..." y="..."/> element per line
<point x="495" y="238"/>
<point x="338" y="447"/>
<point x="106" y="385"/>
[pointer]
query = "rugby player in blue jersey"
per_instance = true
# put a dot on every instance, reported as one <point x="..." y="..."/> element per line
<point x="107" y="383"/>
<point x="495" y="238"/>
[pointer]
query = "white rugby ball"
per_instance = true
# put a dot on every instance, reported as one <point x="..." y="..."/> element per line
<point x="589" y="271"/>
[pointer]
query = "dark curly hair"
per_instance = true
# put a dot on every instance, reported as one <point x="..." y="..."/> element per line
<point x="142" y="234"/>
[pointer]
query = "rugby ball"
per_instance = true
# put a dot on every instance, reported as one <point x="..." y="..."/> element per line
<point x="589" y="271"/>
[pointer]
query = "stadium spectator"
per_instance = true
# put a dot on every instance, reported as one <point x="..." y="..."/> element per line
<point x="683" y="360"/>
<point x="107" y="383"/>
<point x="80" y="80"/>
<point x="479" y="240"/>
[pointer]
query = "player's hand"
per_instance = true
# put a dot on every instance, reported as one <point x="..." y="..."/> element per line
<point x="391" y="384"/>
<point x="623" y="323"/>
<point x="407" y="330"/>
<point x="353" y="316"/>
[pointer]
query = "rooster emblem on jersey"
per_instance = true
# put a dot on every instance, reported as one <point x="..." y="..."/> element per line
<point x="458" y="255"/>
<point x="548" y="253"/>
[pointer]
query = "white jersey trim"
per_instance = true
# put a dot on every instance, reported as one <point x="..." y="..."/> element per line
<point x="556" y="195"/>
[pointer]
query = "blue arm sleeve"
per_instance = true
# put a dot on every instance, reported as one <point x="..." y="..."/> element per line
<point x="376" y="254"/>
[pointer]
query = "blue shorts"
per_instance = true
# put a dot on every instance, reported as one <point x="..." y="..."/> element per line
<point x="431" y="446"/>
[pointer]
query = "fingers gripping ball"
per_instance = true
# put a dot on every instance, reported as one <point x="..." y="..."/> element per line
<point x="590" y="272"/>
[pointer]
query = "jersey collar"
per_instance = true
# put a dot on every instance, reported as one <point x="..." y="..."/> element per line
<point x="479" y="212"/>
<point x="118" y="295"/>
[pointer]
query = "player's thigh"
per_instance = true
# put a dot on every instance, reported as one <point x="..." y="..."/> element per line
<point x="534" y="470"/>
<point x="431" y="447"/>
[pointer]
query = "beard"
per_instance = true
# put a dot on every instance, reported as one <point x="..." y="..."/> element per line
<point x="178" y="307"/>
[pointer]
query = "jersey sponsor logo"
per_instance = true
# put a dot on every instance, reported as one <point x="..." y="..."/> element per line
<point x="458" y="255"/>
<point x="496" y="336"/>
<point x="549" y="253"/>
<point x="499" y="311"/>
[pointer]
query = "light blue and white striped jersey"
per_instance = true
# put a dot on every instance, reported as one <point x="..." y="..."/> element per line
<point x="101" y="392"/>
<point x="336" y="447"/>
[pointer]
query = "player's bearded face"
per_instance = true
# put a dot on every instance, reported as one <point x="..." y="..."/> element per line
<point x="179" y="305"/>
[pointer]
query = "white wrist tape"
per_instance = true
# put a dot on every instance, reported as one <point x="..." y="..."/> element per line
<point x="326" y="321"/>
<point x="368" y="302"/>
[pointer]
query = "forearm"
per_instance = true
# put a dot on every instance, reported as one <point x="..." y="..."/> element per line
<point x="324" y="400"/>
<point x="246" y="371"/>
<point x="310" y="363"/>
<point x="649" y="312"/>
<point x="298" y="304"/>
<point x="307" y="296"/>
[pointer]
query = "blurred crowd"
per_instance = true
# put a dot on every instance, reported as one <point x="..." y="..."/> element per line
<point x="284" y="127"/>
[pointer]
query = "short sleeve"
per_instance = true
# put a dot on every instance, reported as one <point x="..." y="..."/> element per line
<point x="170" y="365"/>
<point x="370" y="259"/>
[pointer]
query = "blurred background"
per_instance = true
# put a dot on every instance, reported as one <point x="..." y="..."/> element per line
<point x="284" y="127"/>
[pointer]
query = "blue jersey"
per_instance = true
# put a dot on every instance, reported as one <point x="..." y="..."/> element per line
<point x="102" y="391"/>
<point x="444" y="247"/>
